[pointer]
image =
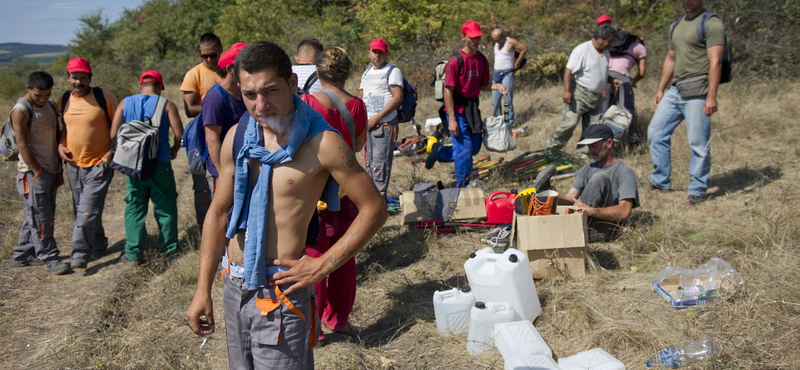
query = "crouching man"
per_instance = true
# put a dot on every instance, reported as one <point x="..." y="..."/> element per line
<point x="281" y="159"/>
<point x="605" y="189"/>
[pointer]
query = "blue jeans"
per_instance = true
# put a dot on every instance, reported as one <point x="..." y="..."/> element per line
<point x="506" y="78"/>
<point x="465" y="145"/>
<point x="670" y="112"/>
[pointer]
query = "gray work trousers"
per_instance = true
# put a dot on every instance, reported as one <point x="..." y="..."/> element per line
<point x="586" y="107"/>
<point x="89" y="188"/>
<point x="262" y="332"/>
<point x="597" y="193"/>
<point x="379" y="154"/>
<point x="36" y="233"/>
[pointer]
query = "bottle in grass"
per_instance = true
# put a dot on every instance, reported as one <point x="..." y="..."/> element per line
<point x="680" y="356"/>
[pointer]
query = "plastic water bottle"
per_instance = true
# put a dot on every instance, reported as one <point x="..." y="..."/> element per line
<point x="679" y="356"/>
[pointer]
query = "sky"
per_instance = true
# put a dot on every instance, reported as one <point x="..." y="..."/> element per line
<point x="52" y="22"/>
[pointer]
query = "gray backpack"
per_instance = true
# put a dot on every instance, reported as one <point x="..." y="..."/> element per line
<point x="137" y="145"/>
<point x="8" y="140"/>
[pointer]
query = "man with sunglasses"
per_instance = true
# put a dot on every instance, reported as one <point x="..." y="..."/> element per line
<point x="195" y="85"/>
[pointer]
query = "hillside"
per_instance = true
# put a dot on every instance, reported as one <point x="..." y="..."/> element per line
<point x="42" y="54"/>
<point x="134" y="318"/>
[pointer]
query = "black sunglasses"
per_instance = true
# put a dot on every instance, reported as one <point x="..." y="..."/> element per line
<point x="209" y="56"/>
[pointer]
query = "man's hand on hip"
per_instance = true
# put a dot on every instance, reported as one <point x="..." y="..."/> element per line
<point x="302" y="273"/>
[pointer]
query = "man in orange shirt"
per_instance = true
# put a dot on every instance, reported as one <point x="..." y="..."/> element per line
<point x="195" y="85"/>
<point x="85" y="145"/>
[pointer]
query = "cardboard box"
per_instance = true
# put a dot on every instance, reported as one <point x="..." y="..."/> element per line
<point x="471" y="205"/>
<point x="555" y="244"/>
<point x="418" y="207"/>
<point x="428" y="205"/>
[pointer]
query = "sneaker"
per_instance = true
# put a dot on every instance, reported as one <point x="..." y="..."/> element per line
<point x="695" y="199"/>
<point x="18" y="263"/>
<point x="30" y="261"/>
<point x="432" y="156"/>
<point x="98" y="254"/>
<point x="494" y="233"/>
<point x="58" y="268"/>
<point x="542" y="181"/>
<point x="78" y="263"/>
<point x="663" y="190"/>
<point x="501" y="239"/>
<point x="124" y="259"/>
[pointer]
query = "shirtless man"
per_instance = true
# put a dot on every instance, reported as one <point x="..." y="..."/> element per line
<point x="268" y="282"/>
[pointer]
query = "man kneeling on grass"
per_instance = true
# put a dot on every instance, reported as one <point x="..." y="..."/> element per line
<point x="605" y="189"/>
<point x="282" y="146"/>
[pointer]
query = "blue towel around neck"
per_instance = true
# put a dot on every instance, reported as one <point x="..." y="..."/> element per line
<point x="250" y="208"/>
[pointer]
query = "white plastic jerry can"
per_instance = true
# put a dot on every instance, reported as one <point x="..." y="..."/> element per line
<point x="505" y="278"/>
<point x="451" y="308"/>
<point x="519" y="338"/>
<point x="530" y="362"/>
<point x="482" y="318"/>
<point x="595" y="359"/>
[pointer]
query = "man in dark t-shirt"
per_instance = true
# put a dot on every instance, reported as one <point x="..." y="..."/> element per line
<point x="605" y="189"/>
<point x="463" y="85"/>
<point x="220" y="112"/>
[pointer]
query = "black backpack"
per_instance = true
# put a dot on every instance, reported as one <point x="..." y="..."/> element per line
<point x="312" y="79"/>
<point x="727" y="54"/>
<point x="98" y="96"/>
<point x="622" y="42"/>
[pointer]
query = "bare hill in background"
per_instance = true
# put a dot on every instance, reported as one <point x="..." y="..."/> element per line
<point x="42" y="54"/>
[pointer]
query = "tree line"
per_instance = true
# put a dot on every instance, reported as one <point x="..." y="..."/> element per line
<point x="163" y="34"/>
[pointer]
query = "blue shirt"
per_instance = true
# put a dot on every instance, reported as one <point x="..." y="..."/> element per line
<point x="215" y="113"/>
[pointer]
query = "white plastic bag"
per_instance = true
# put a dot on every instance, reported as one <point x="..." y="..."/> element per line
<point x="684" y="288"/>
<point x="497" y="135"/>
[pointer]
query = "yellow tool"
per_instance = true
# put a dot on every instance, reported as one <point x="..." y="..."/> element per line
<point x="431" y="140"/>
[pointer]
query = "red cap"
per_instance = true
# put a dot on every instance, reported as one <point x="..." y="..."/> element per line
<point x="379" y="44"/>
<point x="472" y="29"/>
<point x="151" y="75"/>
<point x="602" y="19"/>
<point x="229" y="56"/>
<point x="79" y="65"/>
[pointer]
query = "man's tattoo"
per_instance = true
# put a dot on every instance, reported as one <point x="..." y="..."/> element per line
<point x="349" y="155"/>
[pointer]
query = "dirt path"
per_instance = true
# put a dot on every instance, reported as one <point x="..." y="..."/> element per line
<point x="58" y="321"/>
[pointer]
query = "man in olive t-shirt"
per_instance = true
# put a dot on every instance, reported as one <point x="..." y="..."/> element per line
<point x="690" y="75"/>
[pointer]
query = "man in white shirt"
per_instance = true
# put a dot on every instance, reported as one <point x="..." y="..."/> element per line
<point x="585" y="78"/>
<point x="381" y="90"/>
<point x="306" y="67"/>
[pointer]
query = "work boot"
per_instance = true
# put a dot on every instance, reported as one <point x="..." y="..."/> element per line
<point x="130" y="262"/>
<point x="58" y="268"/>
<point x="542" y="181"/>
<point x="432" y="156"/>
<point x="78" y="263"/>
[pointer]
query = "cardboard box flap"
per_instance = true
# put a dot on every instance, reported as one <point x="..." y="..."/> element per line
<point x="429" y="205"/>
<point x="471" y="204"/>
<point x="553" y="231"/>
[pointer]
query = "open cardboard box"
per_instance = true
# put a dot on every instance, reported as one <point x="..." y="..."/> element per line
<point x="425" y="206"/>
<point x="555" y="244"/>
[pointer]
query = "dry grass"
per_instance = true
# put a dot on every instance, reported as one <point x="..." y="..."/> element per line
<point x="120" y="318"/>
